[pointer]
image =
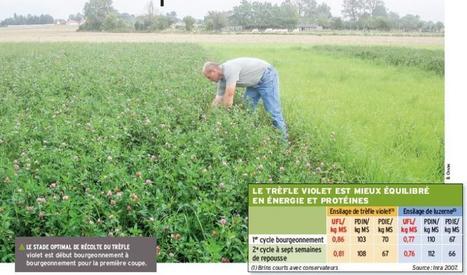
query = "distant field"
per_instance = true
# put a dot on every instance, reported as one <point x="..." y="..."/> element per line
<point x="69" y="34"/>
<point x="381" y="121"/>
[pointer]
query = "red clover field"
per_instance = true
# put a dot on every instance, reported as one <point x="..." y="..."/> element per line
<point x="120" y="140"/>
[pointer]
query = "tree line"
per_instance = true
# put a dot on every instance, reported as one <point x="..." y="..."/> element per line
<point x="28" y="20"/>
<point x="373" y="15"/>
<point x="356" y="15"/>
<point x="250" y="15"/>
<point x="366" y="15"/>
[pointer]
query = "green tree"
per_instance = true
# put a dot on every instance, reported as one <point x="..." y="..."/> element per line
<point x="76" y="17"/>
<point x="287" y="15"/>
<point x="306" y="8"/>
<point x="116" y="22"/>
<point x="95" y="13"/>
<point x="189" y="23"/>
<point x="394" y="20"/>
<point x="172" y="18"/>
<point x="439" y="26"/>
<point x="371" y="6"/>
<point x="152" y="21"/>
<point x="363" y="22"/>
<point x="380" y="23"/>
<point x="323" y="15"/>
<point x="110" y="22"/>
<point x="366" y="14"/>
<point x="158" y="23"/>
<point x="215" y="21"/>
<point x="380" y="10"/>
<point x="428" y="26"/>
<point x="353" y="9"/>
<point x="265" y="15"/>
<point x="244" y="15"/>
<point x="410" y="22"/>
<point x="337" y="23"/>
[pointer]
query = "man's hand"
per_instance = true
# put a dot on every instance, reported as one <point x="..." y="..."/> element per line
<point x="229" y="96"/>
<point x="217" y="101"/>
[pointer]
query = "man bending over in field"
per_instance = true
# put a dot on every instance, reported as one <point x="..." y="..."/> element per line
<point x="261" y="82"/>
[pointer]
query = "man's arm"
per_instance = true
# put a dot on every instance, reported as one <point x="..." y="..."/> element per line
<point x="229" y="95"/>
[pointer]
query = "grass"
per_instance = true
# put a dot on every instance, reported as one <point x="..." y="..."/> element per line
<point x="383" y="123"/>
<point x="119" y="140"/>
<point x="425" y="59"/>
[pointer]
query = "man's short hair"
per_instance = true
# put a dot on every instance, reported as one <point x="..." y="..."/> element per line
<point x="208" y="66"/>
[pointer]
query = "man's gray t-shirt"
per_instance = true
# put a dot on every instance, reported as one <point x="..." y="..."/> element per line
<point x="244" y="72"/>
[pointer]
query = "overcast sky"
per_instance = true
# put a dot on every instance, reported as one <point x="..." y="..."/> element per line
<point x="427" y="9"/>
